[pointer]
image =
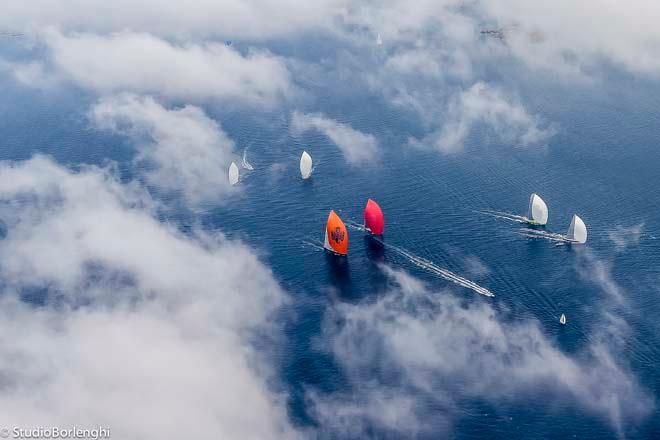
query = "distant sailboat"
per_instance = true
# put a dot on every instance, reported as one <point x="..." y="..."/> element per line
<point x="562" y="319"/>
<point x="233" y="174"/>
<point x="305" y="165"/>
<point x="336" y="235"/>
<point x="577" y="231"/>
<point x="374" y="221"/>
<point x="538" y="210"/>
<point x="247" y="165"/>
<point x="379" y="40"/>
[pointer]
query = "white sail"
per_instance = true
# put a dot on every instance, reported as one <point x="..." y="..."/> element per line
<point x="326" y="244"/>
<point x="379" y="40"/>
<point x="577" y="231"/>
<point x="562" y="319"/>
<point x="305" y="165"/>
<point x="233" y="174"/>
<point x="538" y="210"/>
<point x="247" y="165"/>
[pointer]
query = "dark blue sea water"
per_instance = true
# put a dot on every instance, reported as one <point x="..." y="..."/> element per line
<point x="603" y="163"/>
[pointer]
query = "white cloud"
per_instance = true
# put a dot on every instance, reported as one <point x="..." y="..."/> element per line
<point x="356" y="146"/>
<point x="623" y="33"/>
<point x="142" y="63"/>
<point x="184" y="149"/>
<point x="143" y="329"/>
<point x="31" y="73"/>
<point x="436" y="350"/>
<point x="622" y="236"/>
<point x="227" y="18"/>
<point x="484" y="104"/>
<point x="415" y="61"/>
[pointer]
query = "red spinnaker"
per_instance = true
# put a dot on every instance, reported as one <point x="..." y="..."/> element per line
<point x="373" y="218"/>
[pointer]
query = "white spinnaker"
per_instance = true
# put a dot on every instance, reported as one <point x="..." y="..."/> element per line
<point x="577" y="231"/>
<point x="538" y="210"/>
<point x="305" y="165"/>
<point x="233" y="174"/>
<point x="326" y="244"/>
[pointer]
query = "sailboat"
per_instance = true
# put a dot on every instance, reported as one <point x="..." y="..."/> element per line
<point x="538" y="210"/>
<point x="247" y="165"/>
<point x="233" y="174"/>
<point x="374" y="221"/>
<point x="379" y="40"/>
<point x="336" y="235"/>
<point x="577" y="231"/>
<point x="305" y="165"/>
<point x="562" y="319"/>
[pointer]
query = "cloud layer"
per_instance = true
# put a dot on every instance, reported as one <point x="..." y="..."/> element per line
<point x="357" y="147"/>
<point x="143" y="63"/>
<point x="483" y="104"/>
<point x="141" y="328"/>
<point x="227" y="18"/>
<point x="181" y="150"/>
<point x="415" y="349"/>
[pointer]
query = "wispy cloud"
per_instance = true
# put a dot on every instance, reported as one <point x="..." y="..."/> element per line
<point x="488" y="105"/>
<point x="143" y="63"/>
<point x="184" y="149"/>
<point x="157" y="323"/>
<point x="623" y="236"/>
<point x="357" y="147"/>
<point x="431" y="350"/>
<point x="568" y="40"/>
<point x="197" y="18"/>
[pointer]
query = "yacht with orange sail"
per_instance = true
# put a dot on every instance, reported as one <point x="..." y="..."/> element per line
<point x="336" y="235"/>
<point x="374" y="221"/>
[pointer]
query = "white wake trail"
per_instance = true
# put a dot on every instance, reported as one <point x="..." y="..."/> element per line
<point x="551" y="236"/>
<point x="437" y="270"/>
<point x="355" y="226"/>
<point x="505" y="216"/>
<point x="314" y="244"/>
<point x="247" y="165"/>
<point x="428" y="265"/>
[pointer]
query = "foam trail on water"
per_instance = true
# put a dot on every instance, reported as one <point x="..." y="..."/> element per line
<point x="315" y="244"/>
<point x="552" y="236"/>
<point x="505" y="216"/>
<point x="430" y="266"/>
<point x="247" y="165"/>
<point x="355" y="226"/>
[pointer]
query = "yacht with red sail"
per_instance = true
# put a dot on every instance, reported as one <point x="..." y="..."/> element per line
<point x="374" y="221"/>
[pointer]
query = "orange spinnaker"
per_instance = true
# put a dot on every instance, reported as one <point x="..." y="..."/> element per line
<point x="336" y="235"/>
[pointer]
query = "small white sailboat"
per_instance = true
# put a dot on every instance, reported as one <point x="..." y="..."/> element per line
<point x="577" y="231"/>
<point x="562" y="319"/>
<point x="305" y="165"/>
<point x="379" y="40"/>
<point x="538" y="210"/>
<point x="247" y="165"/>
<point x="233" y="174"/>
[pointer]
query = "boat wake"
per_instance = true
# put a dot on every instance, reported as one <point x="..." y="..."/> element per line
<point x="551" y="236"/>
<point x="355" y="226"/>
<point x="505" y="216"/>
<point x="314" y="244"/>
<point x="433" y="268"/>
<point x="247" y="165"/>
